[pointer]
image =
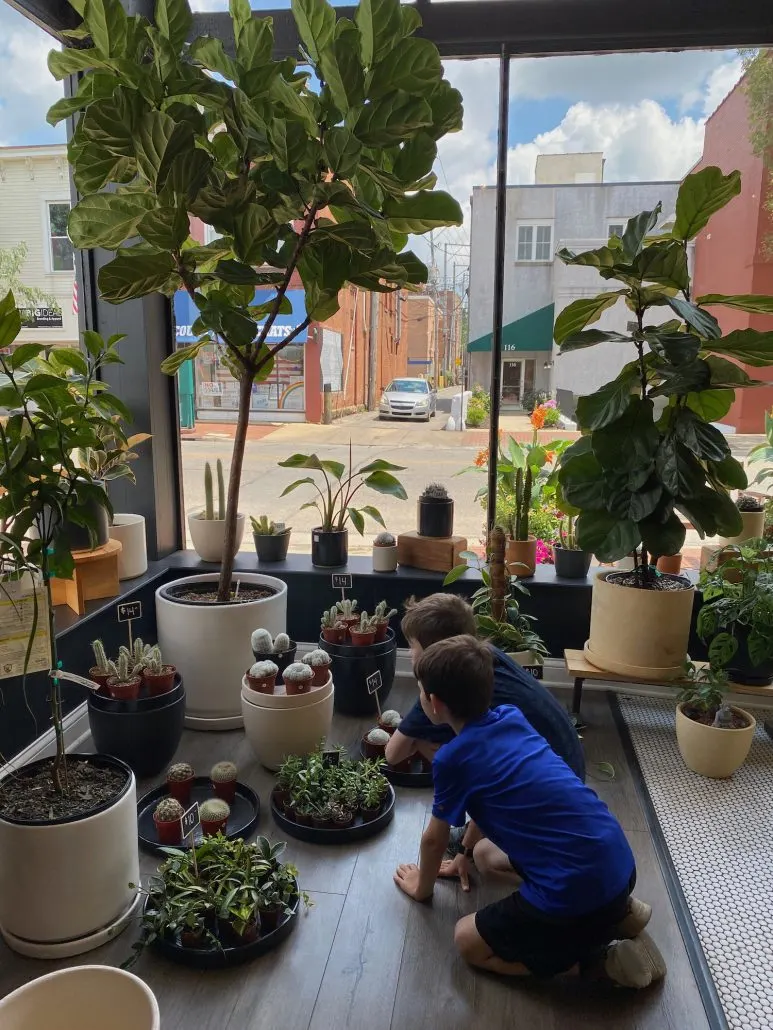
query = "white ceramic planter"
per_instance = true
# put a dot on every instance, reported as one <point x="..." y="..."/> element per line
<point x="385" y="558"/>
<point x="64" y="887"/>
<point x="130" y="531"/>
<point x="208" y="536"/>
<point x="82" y="998"/>
<point x="753" y="527"/>
<point x="210" y="645"/>
<point x="278" y="725"/>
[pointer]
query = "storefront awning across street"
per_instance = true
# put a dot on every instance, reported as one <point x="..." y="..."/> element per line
<point x="532" y="332"/>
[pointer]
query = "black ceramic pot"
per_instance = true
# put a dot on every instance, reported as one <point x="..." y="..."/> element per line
<point x="351" y="667"/>
<point x="329" y="550"/>
<point x="571" y="564"/>
<point x="144" y="736"/>
<point x="77" y="537"/>
<point x="741" y="669"/>
<point x="436" y="517"/>
<point x="272" y="548"/>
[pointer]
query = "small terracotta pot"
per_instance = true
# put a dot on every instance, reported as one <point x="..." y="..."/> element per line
<point x="381" y="631"/>
<point x="181" y="790"/>
<point x="128" y="691"/>
<point x="351" y="620"/>
<point x="334" y="636"/>
<point x="100" y="677"/>
<point x="169" y="830"/>
<point x="225" y="789"/>
<point x="209" y="827"/>
<point x="321" y="673"/>
<point x="521" y="557"/>
<point x="372" y="750"/>
<point x="321" y="824"/>
<point x="343" y="824"/>
<point x="670" y="563"/>
<point x="363" y="639"/>
<point x="297" y="687"/>
<point x="159" y="683"/>
<point x="263" y="684"/>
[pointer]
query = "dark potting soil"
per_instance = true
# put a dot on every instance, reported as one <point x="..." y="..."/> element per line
<point x="661" y="581"/>
<point x="208" y="594"/>
<point x="31" y="796"/>
<point x="707" y="718"/>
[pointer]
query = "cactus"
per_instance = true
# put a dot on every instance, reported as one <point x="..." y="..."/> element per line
<point x="261" y="642"/>
<point x="220" y="491"/>
<point x="381" y="614"/>
<point x="434" y="492"/>
<point x="168" y="810"/>
<point x="330" y="619"/>
<point x="523" y="488"/>
<point x="213" y="810"/>
<point x="223" y="772"/>
<point x="347" y="608"/>
<point x="391" y="718"/>
<point x="384" y="540"/>
<point x="100" y="658"/>
<point x="298" y="672"/>
<point x="724" y="719"/>
<point x="154" y="663"/>
<point x="262" y="670"/>
<point x="367" y="623"/>
<point x="566" y="533"/>
<point x="179" y="771"/>
<point x="378" y="736"/>
<point x="209" y="506"/>
<point x="281" y="643"/>
<point x="317" y="658"/>
<point x="497" y="573"/>
<point x="746" y="502"/>
<point x="140" y="654"/>
<point x="123" y="671"/>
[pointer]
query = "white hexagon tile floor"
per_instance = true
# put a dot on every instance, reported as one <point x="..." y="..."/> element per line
<point x="720" y="837"/>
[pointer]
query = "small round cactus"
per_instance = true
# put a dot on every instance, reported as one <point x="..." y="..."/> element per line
<point x="378" y="737"/>
<point x="168" y="810"/>
<point x="298" y="672"/>
<point x="746" y="502"/>
<point x="281" y="643"/>
<point x="180" y="771"/>
<point x="223" y="772"/>
<point x="391" y="718"/>
<point x="261" y="642"/>
<point x="434" y="492"/>
<point x="263" y="670"/>
<point x="317" y="658"/>
<point x="384" y="540"/>
<point x="213" y="810"/>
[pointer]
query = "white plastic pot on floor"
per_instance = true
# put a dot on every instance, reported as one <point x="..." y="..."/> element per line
<point x="210" y="645"/>
<point x="278" y="724"/>
<point x="130" y="531"/>
<point x="64" y="887"/>
<point x="82" y="998"/>
<point x="208" y="536"/>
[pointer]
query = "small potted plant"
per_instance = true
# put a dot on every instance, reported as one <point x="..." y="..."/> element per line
<point x="390" y="721"/>
<point x="280" y="649"/>
<point x="521" y="545"/>
<point x="157" y="676"/>
<point x="435" y="512"/>
<point x="381" y="618"/>
<point x="272" y="539"/>
<point x="213" y="816"/>
<point x="372" y="798"/>
<point x="262" y="677"/>
<point x="179" y="782"/>
<point x="319" y="661"/>
<point x="223" y="776"/>
<point x="374" y="742"/>
<point x="752" y="511"/>
<point x="347" y="613"/>
<point x="670" y="564"/>
<point x="208" y="527"/>
<point x="384" y="552"/>
<point x="570" y="561"/>
<point x="100" y="671"/>
<point x="125" y="681"/>
<point x="297" y="678"/>
<point x="365" y="633"/>
<point x="332" y="628"/>
<point x="342" y="817"/>
<point x="714" y="737"/>
<point x="166" y="817"/>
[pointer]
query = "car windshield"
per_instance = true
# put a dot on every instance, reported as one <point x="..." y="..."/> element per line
<point x="407" y="386"/>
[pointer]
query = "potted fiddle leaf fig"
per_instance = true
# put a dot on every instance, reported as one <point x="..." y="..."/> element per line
<point x="317" y="165"/>
<point x="649" y="458"/>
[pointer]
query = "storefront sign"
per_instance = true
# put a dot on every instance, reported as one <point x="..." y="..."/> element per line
<point x="41" y="318"/>
<point x="186" y="313"/>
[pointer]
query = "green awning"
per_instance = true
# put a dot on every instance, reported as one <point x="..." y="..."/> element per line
<point x="532" y="332"/>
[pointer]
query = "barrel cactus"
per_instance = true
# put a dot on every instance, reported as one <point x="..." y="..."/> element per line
<point x="317" y="658"/>
<point x="434" y="492"/>
<point x="391" y="718"/>
<point x="168" y="810"/>
<point x="261" y="642"/>
<point x="180" y="771"/>
<point x="281" y="643"/>
<point x="378" y="737"/>
<point x="223" y="772"/>
<point x="262" y="670"/>
<point x="384" y="540"/>
<point x="214" y="810"/>
<point x="298" y="672"/>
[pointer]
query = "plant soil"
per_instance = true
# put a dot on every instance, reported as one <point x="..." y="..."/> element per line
<point x="662" y="581"/>
<point x="207" y="594"/>
<point x="707" y="718"/>
<point x="32" y="796"/>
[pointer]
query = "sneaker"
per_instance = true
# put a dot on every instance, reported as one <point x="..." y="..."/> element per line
<point x="455" y="846"/>
<point x="636" y="963"/>
<point x="636" y="919"/>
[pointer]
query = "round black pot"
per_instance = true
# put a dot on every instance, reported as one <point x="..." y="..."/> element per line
<point x="436" y="518"/>
<point x="280" y="658"/>
<point x="571" y="564"/>
<point x="272" y="548"/>
<point x="742" y="671"/>
<point x="329" y="550"/>
<point x="145" y="738"/>
<point x="351" y="667"/>
<point x="144" y="703"/>
<point x="77" y="537"/>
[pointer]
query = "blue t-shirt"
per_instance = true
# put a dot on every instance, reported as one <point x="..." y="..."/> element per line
<point x="569" y="849"/>
<point x="513" y="686"/>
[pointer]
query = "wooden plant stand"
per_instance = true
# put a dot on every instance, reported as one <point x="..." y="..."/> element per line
<point x="95" y="576"/>
<point x="436" y="554"/>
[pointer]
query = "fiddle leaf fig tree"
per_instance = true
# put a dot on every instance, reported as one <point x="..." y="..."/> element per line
<point x="649" y="451"/>
<point x="320" y="165"/>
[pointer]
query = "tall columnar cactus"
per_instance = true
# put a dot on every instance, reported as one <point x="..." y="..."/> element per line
<point x="523" y="489"/>
<point x="122" y="670"/>
<point x="281" y="643"/>
<point x="347" y="608"/>
<point x="261" y="642"/>
<point x="209" y="505"/>
<point x="497" y="572"/>
<point x="220" y="491"/>
<point x="100" y="658"/>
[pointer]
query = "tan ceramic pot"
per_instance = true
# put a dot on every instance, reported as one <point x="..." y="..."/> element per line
<point x="521" y="557"/>
<point x="711" y="751"/>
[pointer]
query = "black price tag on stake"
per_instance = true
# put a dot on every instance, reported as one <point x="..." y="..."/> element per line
<point x="129" y="610"/>
<point x="331" y="757"/>
<point x="534" y="670"/>
<point x="342" y="581"/>
<point x="373" y="682"/>
<point x="189" y="820"/>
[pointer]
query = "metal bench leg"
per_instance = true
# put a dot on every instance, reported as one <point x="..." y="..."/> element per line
<point x="577" y="696"/>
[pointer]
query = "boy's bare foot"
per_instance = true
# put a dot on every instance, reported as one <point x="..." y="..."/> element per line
<point x="636" y="963"/>
<point x="635" y="920"/>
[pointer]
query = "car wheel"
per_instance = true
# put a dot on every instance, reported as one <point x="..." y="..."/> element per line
<point x="426" y="419"/>
<point x="432" y="413"/>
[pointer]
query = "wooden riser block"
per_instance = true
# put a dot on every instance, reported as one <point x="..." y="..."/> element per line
<point x="95" y="576"/>
<point x="435" y="554"/>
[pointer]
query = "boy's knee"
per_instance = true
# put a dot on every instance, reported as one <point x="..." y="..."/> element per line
<point x="466" y="937"/>
<point x="482" y="856"/>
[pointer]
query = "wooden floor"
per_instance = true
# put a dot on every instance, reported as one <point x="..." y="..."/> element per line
<point x="365" y="957"/>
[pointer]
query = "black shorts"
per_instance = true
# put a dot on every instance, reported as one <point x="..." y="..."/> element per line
<point x="518" y="932"/>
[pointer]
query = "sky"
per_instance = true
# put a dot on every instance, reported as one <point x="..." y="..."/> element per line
<point x="646" y="112"/>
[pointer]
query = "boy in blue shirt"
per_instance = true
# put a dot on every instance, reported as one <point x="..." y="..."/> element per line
<point x="534" y="821"/>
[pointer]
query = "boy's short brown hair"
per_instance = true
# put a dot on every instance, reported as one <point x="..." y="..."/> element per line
<point x="437" y="617"/>
<point x="460" y="673"/>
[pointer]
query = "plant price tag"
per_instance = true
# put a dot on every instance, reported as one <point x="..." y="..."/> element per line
<point x="342" y="581"/>
<point x="189" y="820"/>
<point x="129" y="610"/>
<point x="373" y="682"/>
<point x="331" y="757"/>
<point x="534" y="670"/>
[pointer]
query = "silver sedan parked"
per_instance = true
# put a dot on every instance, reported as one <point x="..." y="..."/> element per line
<point x="408" y="398"/>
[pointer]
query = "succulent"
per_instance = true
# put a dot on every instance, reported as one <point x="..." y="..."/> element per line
<point x="378" y="736"/>
<point x="391" y="718"/>
<point x="331" y="619"/>
<point x="263" y="526"/>
<point x="168" y="809"/>
<point x="434" y="492"/>
<point x="262" y="670"/>
<point x="179" y="771"/>
<point x="223" y="772"/>
<point x="367" y="623"/>
<point x="724" y="720"/>
<point x="154" y="663"/>
<point x="281" y="643"/>
<point x="746" y="502"/>
<point x="382" y="614"/>
<point x="347" y="608"/>
<point x="214" y="809"/>
<point x="298" y="672"/>
<point x="122" y="670"/>
<point x="317" y="658"/>
<point x="209" y="501"/>
<point x="384" y="540"/>
<point x="100" y="658"/>
<point x="262" y="642"/>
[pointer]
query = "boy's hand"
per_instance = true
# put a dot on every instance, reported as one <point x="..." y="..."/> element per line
<point x="408" y="879"/>
<point x="457" y="868"/>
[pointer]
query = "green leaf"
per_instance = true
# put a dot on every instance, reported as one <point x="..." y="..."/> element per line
<point x="23" y="353"/>
<point x="447" y="110"/>
<point x="95" y="168"/>
<point x="374" y="513"/>
<point x="165" y="227"/>
<point x="456" y="573"/>
<point x="62" y="63"/>
<point x="245" y="275"/>
<point x="311" y="461"/>
<point x="681" y="472"/>
<point x="676" y="348"/>
<point x="252" y="228"/>
<point x="700" y="195"/>
<point x="422" y="212"/>
<point x="159" y="139"/>
<point x="747" y="345"/>
<point x="388" y="121"/>
<point x="413" y="66"/>
<point x="603" y="258"/>
<point x="759" y="645"/>
<point x="411" y="19"/>
<point x="241" y="15"/>
<point x="415" y="158"/>
<point x="210" y="53"/>
<point x="665" y="264"/>
<point x="110" y="122"/>
<point x="342" y="152"/>
<point x="711" y="405"/>
<point x="661" y="538"/>
<point x="93" y="343"/>
<point x="730" y="473"/>
<point x="358" y="520"/>
<point x="173" y="362"/>
<point x="173" y="19"/>
<point x="134" y="275"/>
<point x="606" y="536"/>
<point x="582" y="483"/>
<point x="706" y="325"/>
<point x="754" y="303"/>
<point x="637" y="229"/>
<point x="307" y="481"/>
<point x="722" y="649"/>
<point x="316" y="21"/>
<point x="631" y="441"/>
<point x="386" y="483"/>
<point x="681" y="379"/>
<point x="589" y="338"/>
<point x="726" y="374"/>
<point x="380" y="26"/>
<point x="107" y="219"/>
<point x="703" y="439"/>
<point x="582" y="312"/>
<point x="69" y="357"/>
<point x="106" y="22"/>
<point x="254" y="52"/>
<point x="710" y="512"/>
<point x="607" y="404"/>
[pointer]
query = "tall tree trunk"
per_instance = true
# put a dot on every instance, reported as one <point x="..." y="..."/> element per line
<point x="234" y="479"/>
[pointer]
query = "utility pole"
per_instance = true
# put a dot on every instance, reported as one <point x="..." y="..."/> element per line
<point x="445" y="308"/>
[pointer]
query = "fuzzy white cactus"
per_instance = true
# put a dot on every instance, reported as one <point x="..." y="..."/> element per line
<point x="262" y="670"/>
<point x="298" y="672"/>
<point x="378" y="737"/>
<point x="391" y="718"/>
<point x="261" y="642"/>
<point x="317" y="658"/>
<point x="281" y="643"/>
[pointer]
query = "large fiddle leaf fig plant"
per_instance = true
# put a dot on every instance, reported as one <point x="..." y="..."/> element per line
<point x="649" y="451"/>
<point x="320" y="165"/>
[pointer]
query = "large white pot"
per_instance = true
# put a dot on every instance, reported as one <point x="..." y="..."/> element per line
<point x="278" y="725"/>
<point x="208" y="536"/>
<point x="64" y="887"/>
<point x="710" y="750"/>
<point x="82" y="998"/>
<point x="133" y="559"/>
<point x="210" y="645"/>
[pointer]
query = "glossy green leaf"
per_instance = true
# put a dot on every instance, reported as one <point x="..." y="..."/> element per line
<point x="726" y="374"/>
<point x="603" y="258"/>
<point x="134" y="275"/>
<point x="386" y="483"/>
<point x="422" y="212"/>
<point x="358" y="520"/>
<point x="210" y="52"/>
<point x="607" y="537"/>
<point x="107" y="219"/>
<point x="380" y="26"/>
<point x="589" y="338"/>
<point x="62" y="63"/>
<point x="700" y="195"/>
<point x="582" y="484"/>
<point x="676" y="348"/>
<point x="606" y="405"/>
<point x="413" y="66"/>
<point x="750" y="346"/>
<point x="711" y="405"/>
<point x="173" y="19"/>
<point x="164" y="227"/>
<point x="754" y="303"/>
<point x="705" y="323"/>
<point x="680" y="471"/>
<point x="374" y="513"/>
<point x="174" y="361"/>
<point x="665" y="264"/>
<point x="159" y="140"/>
<point x="681" y="379"/>
<point x="730" y="473"/>
<point x="722" y="649"/>
<point x="630" y="441"/>
<point x="388" y="121"/>
<point x="106" y="22"/>
<point x="342" y="151"/>
<point x="316" y="22"/>
<point x="581" y="313"/>
<point x="637" y="229"/>
<point x="659" y="538"/>
<point x="447" y="110"/>
<point x="703" y="439"/>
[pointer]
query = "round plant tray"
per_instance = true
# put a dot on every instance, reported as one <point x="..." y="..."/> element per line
<point x="222" y="958"/>
<point x="415" y="777"/>
<point x="245" y="813"/>
<point x="358" y="831"/>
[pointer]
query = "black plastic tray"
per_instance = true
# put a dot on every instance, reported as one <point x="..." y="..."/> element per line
<point x="222" y="958"/>
<point x="245" y="813"/>
<point x="417" y="777"/>
<point x="358" y="831"/>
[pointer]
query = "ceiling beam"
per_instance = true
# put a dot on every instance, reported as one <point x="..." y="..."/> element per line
<point x="53" y="16"/>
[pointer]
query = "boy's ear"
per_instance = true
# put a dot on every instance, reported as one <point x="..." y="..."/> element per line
<point x="437" y="704"/>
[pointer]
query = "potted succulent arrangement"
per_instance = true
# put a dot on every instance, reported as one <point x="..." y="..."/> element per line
<point x="280" y="649"/>
<point x="208" y="526"/>
<point x="272" y="539"/>
<point x="752" y="511"/>
<point x="166" y="816"/>
<point x="363" y="634"/>
<point x="319" y="662"/>
<point x="297" y="678"/>
<point x="347" y="613"/>
<point x="262" y="676"/>
<point x="330" y="540"/>
<point x="382" y="616"/>
<point x="359" y="645"/>
<point x="649" y="452"/>
<point x="570" y="561"/>
<point x="736" y="617"/>
<point x="384" y="552"/>
<point x="333" y="628"/>
<point x="79" y="807"/>
<point x="714" y="737"/>
<point x="223" y="777"/>
<point x="435" y="511"/>
<point x="213" y="815"/>
<point x="158" y="676"/>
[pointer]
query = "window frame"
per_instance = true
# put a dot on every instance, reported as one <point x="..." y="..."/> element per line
<point x="622" y="222"/>
<point x="535" y="224"/>
<point x="48" y="237"/>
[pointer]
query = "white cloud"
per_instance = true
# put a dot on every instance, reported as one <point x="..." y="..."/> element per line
<point x="719" y="84"/>
<point x="27" y="89"/>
